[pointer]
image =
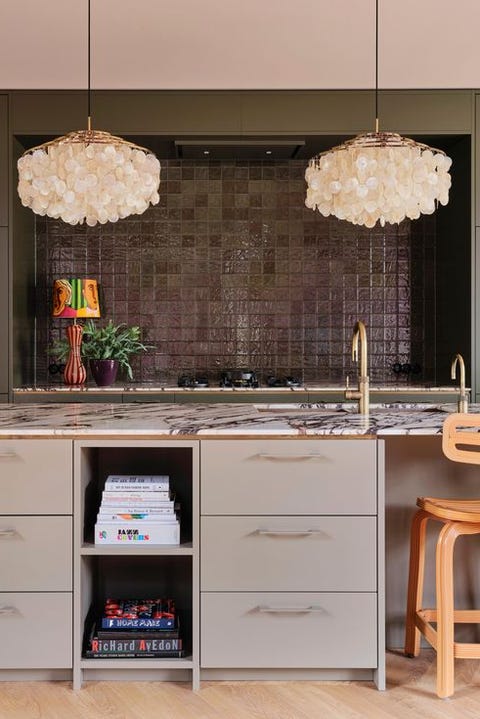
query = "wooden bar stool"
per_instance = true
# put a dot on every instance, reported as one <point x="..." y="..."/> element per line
<point x="461" y="443"/>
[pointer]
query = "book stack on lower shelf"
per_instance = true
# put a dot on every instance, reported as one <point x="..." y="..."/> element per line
<point x="138" y="509"/>
<point x="135" y="628"/>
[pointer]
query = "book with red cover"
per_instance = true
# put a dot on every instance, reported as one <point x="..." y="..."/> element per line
<point x="138" y="614"/>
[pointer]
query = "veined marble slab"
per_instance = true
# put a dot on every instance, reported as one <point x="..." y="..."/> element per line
<point x="307" y="387"/>
<point x="160" y="420"/>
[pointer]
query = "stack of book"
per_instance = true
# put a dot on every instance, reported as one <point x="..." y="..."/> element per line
<point x="132" y="628"/>
<point x="138" y="509"/>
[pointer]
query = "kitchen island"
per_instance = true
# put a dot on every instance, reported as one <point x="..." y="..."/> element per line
<point x="280" y="568"/>
<point x="285" y="420"/>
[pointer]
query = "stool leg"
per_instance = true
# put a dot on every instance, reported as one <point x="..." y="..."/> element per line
<point x="445" y="609"/>
<point x="415" y="582"/>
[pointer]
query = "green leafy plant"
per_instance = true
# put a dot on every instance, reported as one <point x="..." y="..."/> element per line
<point x="117" y="342"/>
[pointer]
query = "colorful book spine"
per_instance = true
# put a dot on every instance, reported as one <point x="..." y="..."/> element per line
<point x="107" y="510"/>
<point x="135" y="613"/>
<point x="137" y="623"/>
<point x="138" y="532"/>
<point x="135" y="645"/>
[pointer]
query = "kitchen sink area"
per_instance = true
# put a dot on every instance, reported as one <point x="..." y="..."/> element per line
<point x="352" y="407"/>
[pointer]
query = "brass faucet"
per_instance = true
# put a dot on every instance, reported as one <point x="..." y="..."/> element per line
<point x="462" y="403"/>
<point x="362" y="393"/>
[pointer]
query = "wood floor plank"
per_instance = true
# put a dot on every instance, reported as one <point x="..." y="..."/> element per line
<point x="410" y="695"/>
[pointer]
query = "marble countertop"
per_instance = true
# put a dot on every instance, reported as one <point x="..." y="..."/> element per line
<point x="154" y="420"/>
<point x="158" y="387"/>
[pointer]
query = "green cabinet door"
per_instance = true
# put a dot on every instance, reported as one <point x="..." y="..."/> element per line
<point x="3" y="160"/>
<point x="4" y="314"/>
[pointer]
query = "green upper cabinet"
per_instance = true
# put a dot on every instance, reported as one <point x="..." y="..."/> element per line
<point x="5" y="315"/>
<point x="477" y="160"/>
<point x="3" y="160"/>
<point x="268" y="112"/>
<point x="4" y="269"/>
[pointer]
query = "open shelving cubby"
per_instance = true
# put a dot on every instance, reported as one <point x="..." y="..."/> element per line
<point x="132" y="570"/>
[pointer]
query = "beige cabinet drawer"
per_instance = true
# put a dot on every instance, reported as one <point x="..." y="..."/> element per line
<point x="35" y="554"/>
<point x="288" y="553"/>
<point x="288" y="630"/>
<point x="35" y="630"/>
<point x="35" y="476"/>
<point x="288" y="477"/>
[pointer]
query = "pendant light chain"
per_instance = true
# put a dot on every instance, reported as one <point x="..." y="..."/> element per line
<point x="376" y="66"/>
<point x="89" y="107"/>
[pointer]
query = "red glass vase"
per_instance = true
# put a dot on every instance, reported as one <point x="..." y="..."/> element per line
<point x="75" y="372"/>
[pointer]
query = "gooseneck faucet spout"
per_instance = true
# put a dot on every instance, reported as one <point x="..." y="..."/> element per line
<point x="363" y="391"/>
<point x="462" y="403"/>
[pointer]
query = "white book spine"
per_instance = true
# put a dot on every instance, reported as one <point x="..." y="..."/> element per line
<point x="136" y="534"/>
<point x="136" y="494"/>
<point x="136" y="502"/>
<point x="136" y="488"/>
<point x="138" y="478"/>
<point x="116" y="509"/>
<point x="121" y="482"/>
<point x="132" y="518"/>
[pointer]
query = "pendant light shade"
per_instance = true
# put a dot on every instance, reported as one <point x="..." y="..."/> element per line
<point x="378" y="176"/>
<point x="88" y="175"/>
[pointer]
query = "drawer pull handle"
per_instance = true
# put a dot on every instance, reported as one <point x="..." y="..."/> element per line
<point x="8" y="454"/>
<point x="291" y="610"/>
<point x="291" y="457"/>
<point x="289" y="532"/>
<point x="8" y="611"/>
<point x="8" y="533"/>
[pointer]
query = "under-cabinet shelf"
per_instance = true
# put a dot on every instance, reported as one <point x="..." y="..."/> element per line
<point x="184" y="549"/>
<point x="137" y="663"/>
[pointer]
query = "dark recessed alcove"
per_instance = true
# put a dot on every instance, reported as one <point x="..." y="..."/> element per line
<point x="231" y="270"/>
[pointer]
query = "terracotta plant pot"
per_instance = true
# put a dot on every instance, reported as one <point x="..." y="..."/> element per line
<point x="104" y="371"/>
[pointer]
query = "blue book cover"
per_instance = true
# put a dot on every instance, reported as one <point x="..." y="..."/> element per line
<point x="138" y="623"/>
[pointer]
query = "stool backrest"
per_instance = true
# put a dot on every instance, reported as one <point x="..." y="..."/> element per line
<point x="461" y="437"/>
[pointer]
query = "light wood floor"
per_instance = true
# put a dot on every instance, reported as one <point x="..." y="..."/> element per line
<point x="410" y="693"/>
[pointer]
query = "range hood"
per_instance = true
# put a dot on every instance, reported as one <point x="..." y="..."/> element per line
<point x="239" y="148"/>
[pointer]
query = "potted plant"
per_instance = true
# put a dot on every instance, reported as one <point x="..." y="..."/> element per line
<point x="106" y="349"/>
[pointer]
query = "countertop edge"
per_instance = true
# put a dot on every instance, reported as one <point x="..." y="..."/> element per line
<point x="152" y="421"/>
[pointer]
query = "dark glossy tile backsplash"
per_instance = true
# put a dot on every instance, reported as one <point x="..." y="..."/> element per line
<point x="231" y="270"/>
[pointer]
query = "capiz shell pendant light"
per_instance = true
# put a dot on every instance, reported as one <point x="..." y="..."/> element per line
<point x="378" y="176"/>
<point x="88" y="175"/>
